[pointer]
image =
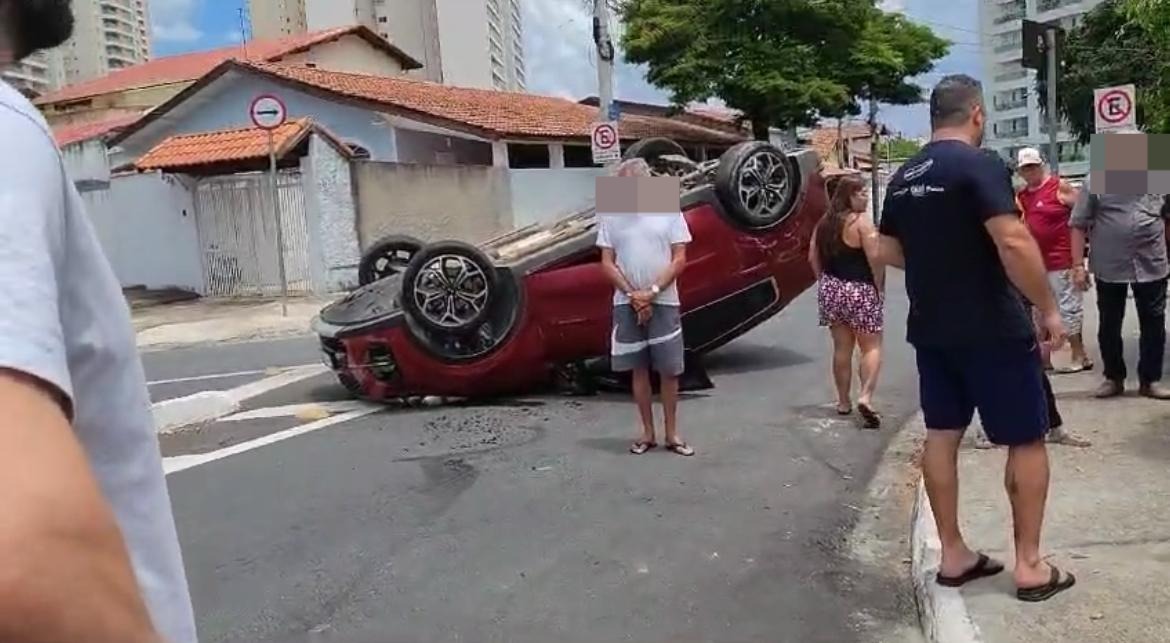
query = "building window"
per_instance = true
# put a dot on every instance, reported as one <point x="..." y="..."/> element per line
<point x="578" y="156"/>
<point x="522" y="156"/>
<point x="382" y="19"/>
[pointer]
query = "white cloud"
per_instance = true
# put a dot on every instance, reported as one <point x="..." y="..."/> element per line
<point x="561" y="58"/>
<point x="174" y="20"/>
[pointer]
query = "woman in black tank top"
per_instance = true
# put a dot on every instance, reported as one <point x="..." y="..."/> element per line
<point x="844" y="255"/>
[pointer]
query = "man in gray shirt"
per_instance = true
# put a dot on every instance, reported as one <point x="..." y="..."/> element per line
<point x="1126" y="236"/>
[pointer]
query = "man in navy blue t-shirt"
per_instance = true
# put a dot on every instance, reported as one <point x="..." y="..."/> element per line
<point x="950" y="221"/>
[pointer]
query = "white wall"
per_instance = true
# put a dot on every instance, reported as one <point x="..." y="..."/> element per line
<point x="463" y="41"/>
<point x="332" y="218"/>
<point x="541" y="195"/>
<point x="146" y="225"/>
<point x="350" y="54"/>
<point x="86" y="161"/>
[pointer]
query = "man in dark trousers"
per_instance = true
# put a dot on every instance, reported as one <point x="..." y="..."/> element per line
<point x="1128" y="236"/>
<point x="950" y="220"/>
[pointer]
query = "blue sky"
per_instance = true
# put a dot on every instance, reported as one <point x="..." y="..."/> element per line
<point x="559" y="51"/>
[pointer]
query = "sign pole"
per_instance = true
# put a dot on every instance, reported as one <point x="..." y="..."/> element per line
<point x="275" y="195"/>
<point x="1053" y="117"/>
<point x="605" y="54"/>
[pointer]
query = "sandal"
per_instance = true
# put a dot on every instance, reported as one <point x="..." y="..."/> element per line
<point x="845" y="411"/>
<point x="982" y="568"/>
<point x="869" y="417"/>
<point x="641" y="447"/>
<point x="1057" y="584"/>
<point x="681" y="448"/>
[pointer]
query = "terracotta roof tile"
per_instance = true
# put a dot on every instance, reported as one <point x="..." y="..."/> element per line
<point x="209" y="148"/>
<point x="493" y="113"/>
<point x="80" y="132"/>
<point x="190" y="67"/>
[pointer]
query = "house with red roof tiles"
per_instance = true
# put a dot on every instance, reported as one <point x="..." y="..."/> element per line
<point x="142" y="87"/>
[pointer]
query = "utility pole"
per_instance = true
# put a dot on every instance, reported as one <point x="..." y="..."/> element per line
<point x="874" y="165"/>
<point x="605" y="50"/>
<point x="1053" y="117"/>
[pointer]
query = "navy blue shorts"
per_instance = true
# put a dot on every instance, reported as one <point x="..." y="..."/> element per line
<point x="1004" y="381"/>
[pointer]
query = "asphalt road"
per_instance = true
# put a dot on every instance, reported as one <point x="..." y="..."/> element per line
<point x="184" y="371"/>
<point x="529" y="521"/>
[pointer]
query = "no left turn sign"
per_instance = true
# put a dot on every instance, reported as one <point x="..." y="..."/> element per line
<point x="605" y="142"/>
<point x="1114" y="107"/>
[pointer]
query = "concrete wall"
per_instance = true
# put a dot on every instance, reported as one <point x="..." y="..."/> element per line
<point x="86" y="161"/>
<point x="413" y="25"/>
<point x="224" y="105"/>
<point x="332" y="219"/>
<point x="350" y="54"/>
<point x="146" y="225"/>
<point x="431" y="202"/>
<point x="544" y="195"/>
<point x="435" y="149"/>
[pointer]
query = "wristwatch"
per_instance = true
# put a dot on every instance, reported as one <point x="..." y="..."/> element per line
<point x="655" y="290"/>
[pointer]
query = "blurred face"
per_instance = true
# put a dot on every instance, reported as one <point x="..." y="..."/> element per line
<point x="37" y="24"/>
<point x="1033" y="175"/>
<point x="859" y="202"/>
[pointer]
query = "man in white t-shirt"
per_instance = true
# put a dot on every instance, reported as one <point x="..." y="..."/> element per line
<point x="88" y="541"/>
<point x="643" y="254"/>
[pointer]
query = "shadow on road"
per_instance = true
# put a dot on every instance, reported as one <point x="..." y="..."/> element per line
<point x="750" y="358"/>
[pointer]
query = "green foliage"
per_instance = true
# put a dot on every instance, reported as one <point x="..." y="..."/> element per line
<point x="1119" y="42"/>
<point x="781" y="62"/>
<point x="903" y="148"/>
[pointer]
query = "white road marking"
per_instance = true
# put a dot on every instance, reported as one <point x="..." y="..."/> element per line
<point x="204" y="378"/>
<point x="295" y="410"/>
<point x="184" y="462"/>
<point x="268" y="384"/>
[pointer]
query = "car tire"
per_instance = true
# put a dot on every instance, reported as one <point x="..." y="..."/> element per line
<point x="655" y="150"/>
<point x="449" y="287"/>
<point x="388" y="256"/>
<point x="757" y="184"/>
<point x="651" y="148"/>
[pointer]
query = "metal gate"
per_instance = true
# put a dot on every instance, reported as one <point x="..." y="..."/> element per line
<point x="238" y="237"/>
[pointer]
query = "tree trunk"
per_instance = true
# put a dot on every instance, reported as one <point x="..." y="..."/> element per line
<point x="760" y="129"/>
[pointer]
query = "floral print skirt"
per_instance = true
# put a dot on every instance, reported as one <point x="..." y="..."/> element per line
<point x="856" y="305"/>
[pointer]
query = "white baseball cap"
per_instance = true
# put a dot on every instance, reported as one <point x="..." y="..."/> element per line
<point x="1029" y="156"/>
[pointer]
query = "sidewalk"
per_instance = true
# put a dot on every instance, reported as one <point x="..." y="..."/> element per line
<point x="1106" y="521"/>
<point x="173" y="324"/>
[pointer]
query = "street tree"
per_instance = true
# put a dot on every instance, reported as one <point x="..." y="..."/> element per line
<point x="781" y="63"/>
<point x="1119" y="42"/>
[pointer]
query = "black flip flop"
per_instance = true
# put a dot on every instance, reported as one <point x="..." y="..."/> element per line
<point x="641" y="447"/>
<point x="869" y="417"/>
<point x="982" y="568"/>
<point x="681" y="448"/>
<point x="848" y="411"/>
<point x="1044" y="592"/>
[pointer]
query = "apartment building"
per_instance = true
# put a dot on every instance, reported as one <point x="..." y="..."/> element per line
<point x="107" y="35"/>
<point x="468" y="43"/>
<point x="1015" y="119"/>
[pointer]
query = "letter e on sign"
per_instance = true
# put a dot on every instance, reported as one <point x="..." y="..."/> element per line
<point x="1115" y="108"/>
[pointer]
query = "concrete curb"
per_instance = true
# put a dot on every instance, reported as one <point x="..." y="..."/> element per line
<point x="205" y="406"/>
<point x="941" y="610"/>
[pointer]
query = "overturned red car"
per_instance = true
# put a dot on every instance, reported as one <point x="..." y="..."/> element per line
<point x="504" y="317"/>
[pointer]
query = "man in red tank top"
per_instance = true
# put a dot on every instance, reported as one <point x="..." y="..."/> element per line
<point x="1046" y="203"/>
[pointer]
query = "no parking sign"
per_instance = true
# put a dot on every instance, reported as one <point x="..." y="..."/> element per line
<point x="606" y="147"/>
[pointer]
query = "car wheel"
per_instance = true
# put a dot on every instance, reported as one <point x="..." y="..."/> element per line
<point x="757" y="184"/>
<point x="388" y="256"/>
<point x="664" y="156"/>
<point x="449" y="287"/>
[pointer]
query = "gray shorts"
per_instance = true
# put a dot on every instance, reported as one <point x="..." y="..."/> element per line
<point x="1069" y="299"/>
<point x="657" y="345"/>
